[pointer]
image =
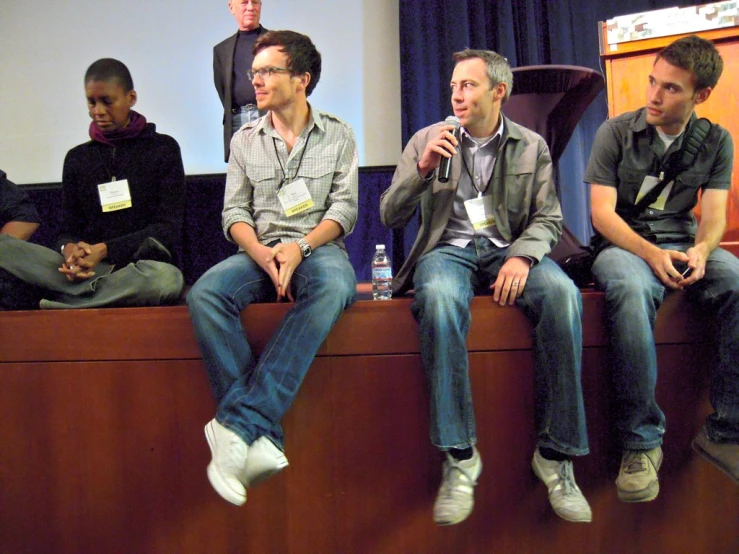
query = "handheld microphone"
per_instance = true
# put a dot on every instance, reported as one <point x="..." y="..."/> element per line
<point x="445" y="167"/>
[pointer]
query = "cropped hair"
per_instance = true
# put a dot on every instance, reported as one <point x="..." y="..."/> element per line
<point x="497" y="67"/>
<point x="697" y="55"/>
<point x="302" y="55"/>
<point x="108" y="69"/>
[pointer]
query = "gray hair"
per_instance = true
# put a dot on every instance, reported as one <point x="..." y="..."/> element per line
<point x="497" y="67"/>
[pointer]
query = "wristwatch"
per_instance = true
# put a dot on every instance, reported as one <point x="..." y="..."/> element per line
<point x="305" y="248"/>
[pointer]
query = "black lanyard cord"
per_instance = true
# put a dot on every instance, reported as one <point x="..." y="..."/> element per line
<point x="300" y="161"/>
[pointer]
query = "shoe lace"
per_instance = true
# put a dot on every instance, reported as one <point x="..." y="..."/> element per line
<point x="634" y="462"/>
<point x="236" y="452"/>
<point x="455" y="475"/>
<point x="568" y="477"/>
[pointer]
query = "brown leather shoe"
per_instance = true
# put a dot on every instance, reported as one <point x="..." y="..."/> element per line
<point x="724" y="456"/>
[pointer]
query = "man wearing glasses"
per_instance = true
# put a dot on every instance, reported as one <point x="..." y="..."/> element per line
<point x="232" y="59"/>
<point x="291" y="197"/>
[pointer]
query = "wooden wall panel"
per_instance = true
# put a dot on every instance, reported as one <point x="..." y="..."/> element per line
<point x="110" y="457"/>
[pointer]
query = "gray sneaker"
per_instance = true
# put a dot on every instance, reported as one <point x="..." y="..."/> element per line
<point x="565" y="496"/>
<point x="637" y="480"/>
<point x="226" y="468"/>
<point x="724" y="456"/>
<point x="455" y="499"/>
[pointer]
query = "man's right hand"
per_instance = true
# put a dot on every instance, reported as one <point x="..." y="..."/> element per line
<point x="661" y="263"/>
<point x="444" y="144"/>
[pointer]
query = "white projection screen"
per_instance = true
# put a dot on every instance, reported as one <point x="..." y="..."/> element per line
<point x="46" y="47"/>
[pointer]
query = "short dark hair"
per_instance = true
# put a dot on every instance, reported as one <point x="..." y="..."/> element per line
<point x="108" y="69"/>
<point x="302" y="56"/>
<point x="697" y="55"/>
<point x="497" y="67"/>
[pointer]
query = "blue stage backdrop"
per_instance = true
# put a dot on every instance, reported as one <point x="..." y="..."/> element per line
<point x="204" y="243"/>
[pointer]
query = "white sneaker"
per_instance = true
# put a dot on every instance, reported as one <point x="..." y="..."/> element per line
<point x="226" y="468"/>
<point x="264" y="460"/>
<point x="564" y="494"/>
<point x="455" y="499"/>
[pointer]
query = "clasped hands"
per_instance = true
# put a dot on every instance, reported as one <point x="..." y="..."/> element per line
<point x="80" y="259"/>
<point x="279" y="262"/>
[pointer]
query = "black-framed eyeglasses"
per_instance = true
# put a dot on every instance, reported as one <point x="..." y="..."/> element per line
<point x="265" y="72"/>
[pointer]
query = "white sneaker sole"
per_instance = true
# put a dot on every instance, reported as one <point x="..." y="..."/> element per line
<point x="221" y="484"/>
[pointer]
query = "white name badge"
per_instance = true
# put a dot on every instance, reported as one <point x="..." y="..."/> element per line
<point x="480" y="211"/>
<point x="115" y="195"/>
<point x="650" y="181"/>
<point x="295" y="198"/>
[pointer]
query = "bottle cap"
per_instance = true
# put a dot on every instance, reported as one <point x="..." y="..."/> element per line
<point x="379" y="247"/>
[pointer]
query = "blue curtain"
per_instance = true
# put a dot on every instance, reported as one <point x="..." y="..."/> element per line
<point x="527" y="32"/>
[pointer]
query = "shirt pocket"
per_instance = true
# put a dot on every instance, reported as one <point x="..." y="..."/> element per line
<point x="317" y="173"/>
<point x="692" y="181"/>
<point x="264" y="180"/>
<point x="629" y="183"/>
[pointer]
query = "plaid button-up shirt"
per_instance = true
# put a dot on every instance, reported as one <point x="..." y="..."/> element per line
<point x="328" y="167"/>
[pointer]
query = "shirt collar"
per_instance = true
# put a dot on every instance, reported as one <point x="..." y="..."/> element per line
<point x="499" y="133"/>
<point x="314" y="118"/>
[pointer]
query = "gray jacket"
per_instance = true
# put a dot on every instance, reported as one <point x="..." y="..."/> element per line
<point x="528" y="214"/>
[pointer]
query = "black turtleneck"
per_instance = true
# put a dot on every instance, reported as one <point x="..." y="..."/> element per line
<point x="242" y="91"/>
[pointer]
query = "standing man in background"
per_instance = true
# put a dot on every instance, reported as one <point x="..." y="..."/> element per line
<point x="232" y="58"/>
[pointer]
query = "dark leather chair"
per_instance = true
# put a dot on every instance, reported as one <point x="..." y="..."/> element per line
<point x="551" y="99"/>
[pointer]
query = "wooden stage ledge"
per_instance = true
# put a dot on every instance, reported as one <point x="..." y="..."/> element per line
<point x="102" y="411"/>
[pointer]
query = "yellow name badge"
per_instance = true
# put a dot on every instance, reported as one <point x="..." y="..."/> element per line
<point x="295" y="198"/>
<point x="115" y="195"/>
<point x="650" y="181"/>
<point x="480" y="212"/>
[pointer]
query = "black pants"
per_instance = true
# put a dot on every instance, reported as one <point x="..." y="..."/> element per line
<point x="16" y="294"/>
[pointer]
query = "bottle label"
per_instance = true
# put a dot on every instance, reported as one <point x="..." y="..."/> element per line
<point x="382" y="273"/>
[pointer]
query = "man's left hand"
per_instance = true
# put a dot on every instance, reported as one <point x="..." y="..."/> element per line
<point x="511" y="280"/>
<point x="697" y="257"/>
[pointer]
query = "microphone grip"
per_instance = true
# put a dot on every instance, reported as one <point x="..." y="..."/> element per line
<point x="445" y="169"/>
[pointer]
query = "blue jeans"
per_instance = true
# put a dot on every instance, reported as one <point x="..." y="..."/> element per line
<point x="633" y="296"/>
<point x="252" y="394"/>
<point x="445" y="281"/>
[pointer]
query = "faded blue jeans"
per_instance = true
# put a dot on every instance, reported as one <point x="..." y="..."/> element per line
<point x="254" y="394"/>
<point x="633" y="296"/>
<point x="445" y="281"/>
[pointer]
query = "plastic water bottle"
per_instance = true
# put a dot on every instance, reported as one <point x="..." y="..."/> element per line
<point x="382" y="274"/>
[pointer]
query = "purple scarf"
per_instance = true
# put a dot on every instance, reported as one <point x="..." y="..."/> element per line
<point x="136" y="124"/>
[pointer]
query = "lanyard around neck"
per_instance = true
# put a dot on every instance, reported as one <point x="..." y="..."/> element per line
<point x="300" y="161"/>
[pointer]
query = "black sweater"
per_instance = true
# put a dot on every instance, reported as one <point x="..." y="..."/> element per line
<point x="152" y="163"/>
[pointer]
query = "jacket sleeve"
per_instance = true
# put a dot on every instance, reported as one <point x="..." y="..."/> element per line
<point x="398" y="203"/>
<point x="544" y="225"/>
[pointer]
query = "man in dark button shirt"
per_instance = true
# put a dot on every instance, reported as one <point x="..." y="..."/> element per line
<point x="663" y="248"/>
<point x="18" y="216"/>
<point x="232" y="58"/>
<point x="19" y="219"/>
